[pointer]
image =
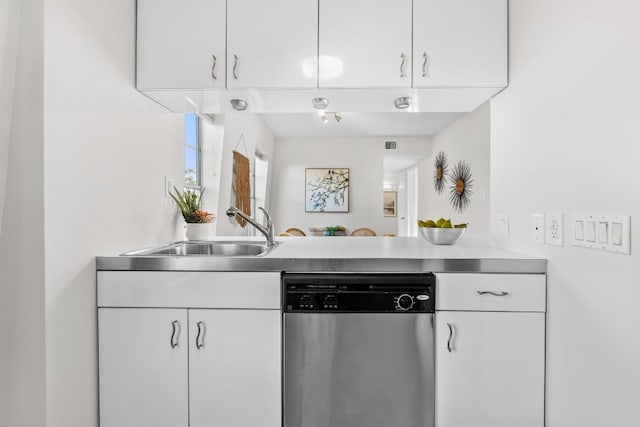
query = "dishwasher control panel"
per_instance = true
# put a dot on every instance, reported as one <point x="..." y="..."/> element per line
<point x="383" y="293"/>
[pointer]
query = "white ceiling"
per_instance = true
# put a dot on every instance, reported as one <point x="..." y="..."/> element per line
<point x="302" y="125"/>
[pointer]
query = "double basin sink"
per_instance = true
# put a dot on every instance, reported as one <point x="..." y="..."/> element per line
<point x="208" y="248"/>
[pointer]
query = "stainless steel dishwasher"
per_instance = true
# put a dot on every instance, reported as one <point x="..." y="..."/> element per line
<point x="359" y="350"/>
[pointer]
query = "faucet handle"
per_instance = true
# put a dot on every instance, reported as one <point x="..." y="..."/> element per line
<point x="267" y="217"/>
<point x="269" y="225"/>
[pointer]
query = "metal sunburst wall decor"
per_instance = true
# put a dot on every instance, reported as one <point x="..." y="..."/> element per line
<point x="461" y="184"/>
<point x="440" y="167"/>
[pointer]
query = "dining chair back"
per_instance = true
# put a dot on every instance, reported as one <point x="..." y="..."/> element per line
<point x="295" y="231"/>
<point x="363" y="231"/>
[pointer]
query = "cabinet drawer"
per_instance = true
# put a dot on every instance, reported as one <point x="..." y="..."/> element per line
<point x="491" y="292"/>
<point x="188" y="289"/>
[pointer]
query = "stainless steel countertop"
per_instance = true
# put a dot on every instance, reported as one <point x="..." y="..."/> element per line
<point x="529" y="266"/>
<point x="349" y="254"/>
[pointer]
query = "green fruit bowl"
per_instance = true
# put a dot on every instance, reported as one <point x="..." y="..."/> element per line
<point x="441" y="236"/>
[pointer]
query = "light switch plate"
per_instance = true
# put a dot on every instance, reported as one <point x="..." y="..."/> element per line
<point x="168" y="186"/>
<point x="578" y="230"/>
<point x="589" y="231"/>
<point x="537" y="228"/>
<point x="554" y="229"/>
<point x="611" y="233"/>
<point x="603" y="233"/>
<point x="503" y="225"/>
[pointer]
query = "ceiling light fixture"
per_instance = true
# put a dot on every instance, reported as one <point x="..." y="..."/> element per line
<point x="320" y="103"/>
<point x="324" y="118"/>
<point x="402" y="103"/>
<point x="239" y="104"/>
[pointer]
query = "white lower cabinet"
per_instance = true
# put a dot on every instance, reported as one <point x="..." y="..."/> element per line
<point x="490" y="369"/>
<point x="490" y="350"/>
<point x="197" y="368"/>
<point x="234" y="368"/>
<point x="143" y="369"/>
<point x="189" y="367"/>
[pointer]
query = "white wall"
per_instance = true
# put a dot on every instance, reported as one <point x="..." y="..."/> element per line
<point x="256" y="135"/>
<point x="22" y="269"/>
<point x="9" y="33"/>
<point x="466" y="139"/>
<point x="107" y="150"/>
<point x="363" y="157"/>
<point x="565" y="138"/>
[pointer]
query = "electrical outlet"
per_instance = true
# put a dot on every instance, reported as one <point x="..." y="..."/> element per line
<point x="537" y="228"/>
<point x="554" y="229"/>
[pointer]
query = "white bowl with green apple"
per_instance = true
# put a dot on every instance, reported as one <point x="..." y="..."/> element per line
<point x="441" y="231"/>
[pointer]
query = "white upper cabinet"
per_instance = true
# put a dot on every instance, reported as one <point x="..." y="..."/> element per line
<point x="209" y="51"/>
<point x="460" y="43"/>
<point x="272" y="44"/>
<point x="365" y="43"/>
<point x="181" y="45"/>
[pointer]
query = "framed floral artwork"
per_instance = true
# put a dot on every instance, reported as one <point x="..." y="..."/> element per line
<point x="326" y="189"/>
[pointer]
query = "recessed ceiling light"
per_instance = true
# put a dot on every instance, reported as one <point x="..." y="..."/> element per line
<point x="320" y="103"/>
<point x="323" y="118"/>
<point x="239" y="104"/>
<point x="402" y="102"/>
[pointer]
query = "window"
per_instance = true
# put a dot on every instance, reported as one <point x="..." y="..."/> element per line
<point x="192" y="150"/>
<point x="259" y="183"/>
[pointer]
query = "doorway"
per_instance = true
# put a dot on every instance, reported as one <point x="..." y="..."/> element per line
<point x="401" y="176"/>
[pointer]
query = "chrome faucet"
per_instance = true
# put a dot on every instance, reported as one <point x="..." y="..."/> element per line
<point x="266" y="229"/>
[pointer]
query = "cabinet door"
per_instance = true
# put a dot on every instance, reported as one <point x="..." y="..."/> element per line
<point x="272" y="44"/>
<point x="143" y="367"/>
<point x="235" y="368"/>
<point x="489" y="369"/>
<point x="460" y="43"/>
<point x="365" y="43"/>
<point x="181" y="45"/>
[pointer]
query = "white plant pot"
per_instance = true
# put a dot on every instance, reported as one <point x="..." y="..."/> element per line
<point x="199" y="231"/>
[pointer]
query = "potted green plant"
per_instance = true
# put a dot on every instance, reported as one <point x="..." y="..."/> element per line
<point x="198" y="221"/>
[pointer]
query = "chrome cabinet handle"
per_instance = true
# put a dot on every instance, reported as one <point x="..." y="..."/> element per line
<point x="200" y="336"/>
<point x="403" y="58"/>
<point x="235" y="66"/>
<point x="501" y="294"/>
<point x="450" y="337"/>
<point x="175" y="333"/>
<point x="425" y="62"/>
<point x="213" y="67"/>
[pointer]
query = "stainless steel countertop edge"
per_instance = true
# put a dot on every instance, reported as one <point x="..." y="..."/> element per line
<point x="377" y="265"/>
